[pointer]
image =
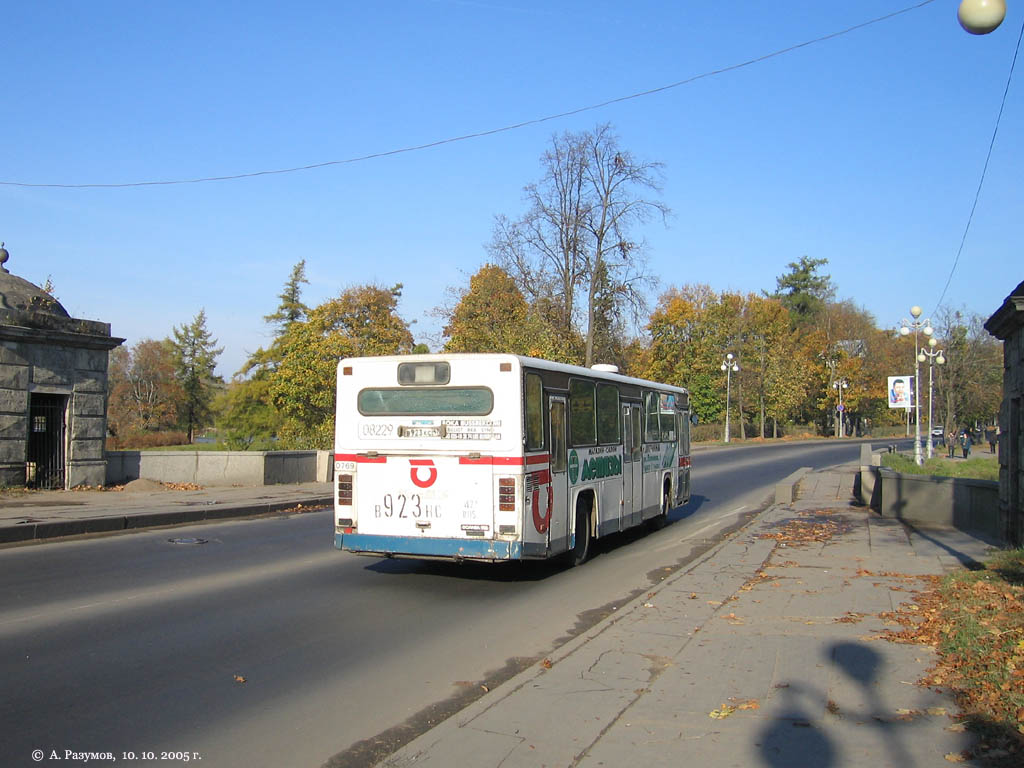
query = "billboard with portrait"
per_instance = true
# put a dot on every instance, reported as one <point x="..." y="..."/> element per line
<point x="901" y="392"/>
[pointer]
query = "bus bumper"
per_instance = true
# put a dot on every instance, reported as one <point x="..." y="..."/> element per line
<point x="410" y="546"/>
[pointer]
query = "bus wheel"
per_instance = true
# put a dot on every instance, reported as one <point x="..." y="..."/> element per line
<point x="581" y="550"/>
<point x="661" y="519"/>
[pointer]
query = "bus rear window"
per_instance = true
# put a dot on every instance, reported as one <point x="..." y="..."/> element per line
<point x="409" y="401"/>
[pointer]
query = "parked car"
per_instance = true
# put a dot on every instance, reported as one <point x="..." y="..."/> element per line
<point x="938" y="435"/>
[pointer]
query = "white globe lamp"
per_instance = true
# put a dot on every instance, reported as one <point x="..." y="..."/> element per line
<point x="979" y="17"/>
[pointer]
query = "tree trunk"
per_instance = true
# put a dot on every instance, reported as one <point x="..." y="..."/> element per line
<point x="588" y="359"/>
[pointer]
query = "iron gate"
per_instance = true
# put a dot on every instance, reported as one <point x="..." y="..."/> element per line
<point x="46" y="450"/>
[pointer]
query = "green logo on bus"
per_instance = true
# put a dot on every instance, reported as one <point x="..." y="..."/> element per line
<point x="594" y="468"/>
<point x="574" y="467"/>
<point x="602" y="466"/>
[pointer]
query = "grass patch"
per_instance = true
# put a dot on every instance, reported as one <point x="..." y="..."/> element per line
<point x="978" y="468"/>
<point x="975" y="620"/>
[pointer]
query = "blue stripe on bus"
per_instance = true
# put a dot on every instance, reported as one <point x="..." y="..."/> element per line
<point x="415" y="545"/>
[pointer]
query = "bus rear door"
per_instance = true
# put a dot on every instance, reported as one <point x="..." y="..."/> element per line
<point x="558" y="533"/>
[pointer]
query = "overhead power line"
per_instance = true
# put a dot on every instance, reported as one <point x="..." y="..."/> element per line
<point x="984" y="170"/>
<point x="481" y="134"/>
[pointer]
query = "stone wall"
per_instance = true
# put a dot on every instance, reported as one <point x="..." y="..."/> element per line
<point x="1007" y="324"/>
<point x="78" y="374"/>
<point x="220" y="468"/>
<point x="14" y="375"/>
<point x="1011" y="437"/>
<point x="935" y="502"/>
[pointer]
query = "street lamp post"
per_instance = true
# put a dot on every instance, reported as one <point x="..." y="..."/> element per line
<point x="925" y="327"/>
<point x="728" y="365"/>
<point x="934" y="357"/>
<point x="839" y="385"/>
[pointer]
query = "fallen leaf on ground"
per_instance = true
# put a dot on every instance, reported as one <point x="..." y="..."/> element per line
<point x="721" y="714"/>
<point x="746" y="704"/>
<point x="850" y="617"/>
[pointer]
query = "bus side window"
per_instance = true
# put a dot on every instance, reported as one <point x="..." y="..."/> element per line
<point x="667" y="406"/>
<point x="558" y="453"/>
<point x="608" y="414"/>
<point x="683" y="433"/>
<point x="652" y="431"/>
<point x="534" y="391"/>
<point x="582" y="413"/>
<point x="636" y="417"/>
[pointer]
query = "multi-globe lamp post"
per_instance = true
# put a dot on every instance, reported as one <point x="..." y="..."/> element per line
<point x="925" y="327"/>
<point x="729" y="365"/>
<point x="934" y="357"/>
<point x="839" y="385"/>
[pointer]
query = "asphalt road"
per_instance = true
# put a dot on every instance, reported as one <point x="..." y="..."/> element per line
<point x="136" y="644"/>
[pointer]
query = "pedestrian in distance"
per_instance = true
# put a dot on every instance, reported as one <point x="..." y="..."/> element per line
<point x="990" y="438"/>
<point x="965" y="443"/>
<point x="951" y="442"/>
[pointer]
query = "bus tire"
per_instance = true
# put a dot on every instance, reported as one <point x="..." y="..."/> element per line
<point x="580" y="552"/>
<point x="660" y="520"/>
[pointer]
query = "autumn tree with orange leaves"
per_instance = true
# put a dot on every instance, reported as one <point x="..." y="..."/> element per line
<point x="492" y="315"/>
<point x="361" y="321"/>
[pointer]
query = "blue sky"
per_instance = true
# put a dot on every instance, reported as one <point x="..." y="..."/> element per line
<point x="865" y="149"/>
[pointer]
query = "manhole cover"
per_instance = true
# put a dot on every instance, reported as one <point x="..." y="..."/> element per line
<point x="188" y="540"/>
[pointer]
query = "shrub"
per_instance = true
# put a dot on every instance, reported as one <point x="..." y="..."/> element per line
<point x="132" y="440"/>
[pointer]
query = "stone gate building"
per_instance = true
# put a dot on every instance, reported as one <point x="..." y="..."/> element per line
<point x="1007" y="325"/>
<point x="53" y="389"/>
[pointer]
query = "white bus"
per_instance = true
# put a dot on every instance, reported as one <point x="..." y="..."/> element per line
<point x="496" y="457"/>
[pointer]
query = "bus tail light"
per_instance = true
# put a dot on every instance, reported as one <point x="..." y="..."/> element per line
<point x="343" y="494"/>
<point x="344" y="490"/>
<point x="507" y="494"/>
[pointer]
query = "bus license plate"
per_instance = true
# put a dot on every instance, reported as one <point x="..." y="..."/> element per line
<point x="421" y="431"/>
<point x="403" y="506"/>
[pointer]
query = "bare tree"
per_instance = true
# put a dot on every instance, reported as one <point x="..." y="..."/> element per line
<point x="572" y="252"/>
<point x="968" y="388"/>
<point x="616" y="183"/>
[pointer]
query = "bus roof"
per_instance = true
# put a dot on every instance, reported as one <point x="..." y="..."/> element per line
<point x="523" y="361"/>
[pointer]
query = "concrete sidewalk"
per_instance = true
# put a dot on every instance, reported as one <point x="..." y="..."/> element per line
<point x="764" y="651"/>
<point x="30" y="515"/>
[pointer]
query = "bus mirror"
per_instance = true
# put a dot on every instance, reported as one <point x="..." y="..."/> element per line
<point x="693" y="419"/>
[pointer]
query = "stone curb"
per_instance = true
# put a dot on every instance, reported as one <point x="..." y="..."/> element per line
<point x="785" y="491"/>
<point x="112" y="523"/>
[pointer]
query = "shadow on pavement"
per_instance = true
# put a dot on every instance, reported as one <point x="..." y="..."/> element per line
<point x="791" y="739"/>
